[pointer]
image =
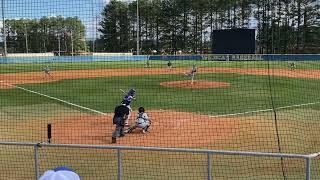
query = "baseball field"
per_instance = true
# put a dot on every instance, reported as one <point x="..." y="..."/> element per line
<point x="247" y="106"/>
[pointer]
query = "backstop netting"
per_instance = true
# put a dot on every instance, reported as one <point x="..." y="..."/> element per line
<point x="66" y="65"/>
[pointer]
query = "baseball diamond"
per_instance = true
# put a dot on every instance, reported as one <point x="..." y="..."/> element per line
<point x="213" y="113"/>
<point x="159" y="89"/>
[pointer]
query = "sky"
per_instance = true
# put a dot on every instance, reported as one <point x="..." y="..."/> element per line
<point x="87" y="10"/>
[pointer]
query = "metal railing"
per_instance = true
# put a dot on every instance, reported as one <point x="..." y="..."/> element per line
<point x="209" y="153"/>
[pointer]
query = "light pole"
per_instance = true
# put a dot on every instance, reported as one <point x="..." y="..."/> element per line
<point x="59" y="44"/>
<point x="4" y="30"/>
<point x="71" y="34"/>
<point x="94" y="18"/>
<point x="138" y="29"/>
<point x="26" y="37"/>
<point x="97" y="17"/>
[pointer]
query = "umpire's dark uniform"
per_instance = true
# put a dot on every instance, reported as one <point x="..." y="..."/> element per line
<point x="121" y="113"/>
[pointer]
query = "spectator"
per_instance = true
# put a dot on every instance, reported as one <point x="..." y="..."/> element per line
<point x="60" y="173"/>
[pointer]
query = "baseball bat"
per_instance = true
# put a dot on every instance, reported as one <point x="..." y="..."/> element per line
<point x="123" y="91"/>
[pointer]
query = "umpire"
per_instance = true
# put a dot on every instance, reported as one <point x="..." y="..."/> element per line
<point x="121" y="113"/>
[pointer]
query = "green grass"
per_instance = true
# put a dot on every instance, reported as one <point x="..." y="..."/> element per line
<point x="28" y="123"/>
<point x="34" y="67"/>
<point x="102" y="164"/>
<point x="246" y="93"/>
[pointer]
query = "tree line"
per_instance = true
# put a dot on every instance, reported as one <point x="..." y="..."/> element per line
<point x="48" y="34"/>
<point x="171" y="26"/>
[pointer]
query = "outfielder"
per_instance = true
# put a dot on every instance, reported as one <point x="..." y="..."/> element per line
<point x="192" y="73"/>
<point x="127" y="99"/>
<point x="292" y="66"/>
<point x="169" y="64"/>
<point x="142" y="121"/>
<point x="147" y="65"/>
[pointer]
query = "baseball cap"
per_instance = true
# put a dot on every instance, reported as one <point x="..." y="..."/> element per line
<point x="60" y="173"/>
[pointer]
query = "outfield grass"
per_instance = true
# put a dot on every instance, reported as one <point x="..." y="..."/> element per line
<point x="246" y="93"/>
<point x="34" y="67"/>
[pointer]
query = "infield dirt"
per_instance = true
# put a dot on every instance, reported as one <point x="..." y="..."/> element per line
<point x="169" y="129"/>
<point x="38" y="77"/>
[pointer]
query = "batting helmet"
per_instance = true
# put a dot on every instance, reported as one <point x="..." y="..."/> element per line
<point x="132" y="92"/>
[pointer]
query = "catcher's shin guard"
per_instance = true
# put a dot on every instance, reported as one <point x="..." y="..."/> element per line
<point x="145" y="130"/>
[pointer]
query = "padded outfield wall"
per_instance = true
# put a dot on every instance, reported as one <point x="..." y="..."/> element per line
<point x="120" y="57"/>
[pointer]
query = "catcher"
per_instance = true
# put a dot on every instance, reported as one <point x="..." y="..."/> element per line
<point x="142" y="121"/>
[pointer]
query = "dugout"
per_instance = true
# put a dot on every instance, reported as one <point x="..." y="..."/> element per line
<point x="233" y="41"/>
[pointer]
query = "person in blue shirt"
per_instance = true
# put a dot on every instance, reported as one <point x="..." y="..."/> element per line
<point x="127" y="100"/>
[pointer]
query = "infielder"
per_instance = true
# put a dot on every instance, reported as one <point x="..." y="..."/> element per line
<point x="192" y="73"/>
<point x="121" y="113"/>
<point x="47" y="72"/>
<point x="127" y="99"/>
<point x="142" y="121"/>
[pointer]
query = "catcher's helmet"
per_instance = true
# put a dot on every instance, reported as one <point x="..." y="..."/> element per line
<point x="141" y="110"/>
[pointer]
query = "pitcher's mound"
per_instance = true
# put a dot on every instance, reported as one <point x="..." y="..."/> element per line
<point x="198" y="84"/>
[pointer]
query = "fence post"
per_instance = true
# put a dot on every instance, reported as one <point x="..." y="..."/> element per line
<point x="36" y="160"/>
<point x="209" y="161"/>
<point x="119" y="165"/>
<point x="308" y="168"/>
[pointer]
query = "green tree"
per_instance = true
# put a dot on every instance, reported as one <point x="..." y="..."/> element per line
<point x="115" y="26"/>
<point x="284" y="26"/>
<point x="44" y="35"/>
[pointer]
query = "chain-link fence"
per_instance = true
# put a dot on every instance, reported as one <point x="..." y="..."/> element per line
<point x="67" y="64"/>
<point x="121" y="162"/>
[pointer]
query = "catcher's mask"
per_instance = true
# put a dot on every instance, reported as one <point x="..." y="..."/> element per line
<point x="141" y="110"/>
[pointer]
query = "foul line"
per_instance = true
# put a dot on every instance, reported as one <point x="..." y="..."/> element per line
<point x="213" y="116"/>
<point x="264" y="110"/>
<point x="54" y="98"/>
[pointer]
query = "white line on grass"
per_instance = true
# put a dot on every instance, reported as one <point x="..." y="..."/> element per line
<point x="54" y="98"/>
<point x="213" y="116"/>
<point x="264" y="110"/>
